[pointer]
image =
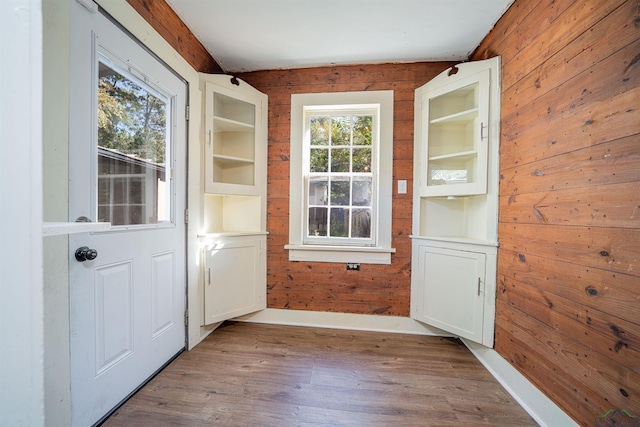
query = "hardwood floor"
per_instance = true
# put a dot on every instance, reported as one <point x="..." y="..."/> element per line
<point x="247" y="374"/>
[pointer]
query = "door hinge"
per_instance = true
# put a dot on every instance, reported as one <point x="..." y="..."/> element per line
<point x="186" y="216"/>
<point x="186" y="318"/>
<point x="186" y="112"/>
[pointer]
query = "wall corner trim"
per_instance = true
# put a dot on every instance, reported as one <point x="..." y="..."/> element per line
<point x="538" y="406"/>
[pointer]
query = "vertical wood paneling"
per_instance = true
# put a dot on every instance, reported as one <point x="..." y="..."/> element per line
<point x="568" y="309"/>
<point x="375" y="289"/>
<point x="167" y="23"/>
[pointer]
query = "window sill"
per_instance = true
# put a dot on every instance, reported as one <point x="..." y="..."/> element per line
<point x="340" y="254"/>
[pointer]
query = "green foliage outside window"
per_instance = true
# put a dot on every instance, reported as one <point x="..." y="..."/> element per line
<point x="341" y="150"/>
<point x="130" y="119"/>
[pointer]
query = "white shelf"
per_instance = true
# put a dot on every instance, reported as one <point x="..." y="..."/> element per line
<point x="462" y="155"/>
<point x="459" y="117"/>
<point x="230" y="160"/>
<point x="228" y="125"/>
<point x="206" y="236"/>
<point x="457" y="239"/>
<point x="62" y="228"/>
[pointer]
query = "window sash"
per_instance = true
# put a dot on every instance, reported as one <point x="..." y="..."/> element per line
<point x="333" y="111"/>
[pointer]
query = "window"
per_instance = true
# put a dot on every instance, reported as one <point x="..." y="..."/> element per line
<point x="134" y="143"/>
<point x="341" y="172"/>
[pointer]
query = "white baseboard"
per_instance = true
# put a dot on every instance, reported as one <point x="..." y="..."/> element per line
<point x="538" y="406"/>
<point x="359" y="322"/>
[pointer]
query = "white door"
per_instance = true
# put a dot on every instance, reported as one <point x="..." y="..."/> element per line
<point x="127" y="166"/>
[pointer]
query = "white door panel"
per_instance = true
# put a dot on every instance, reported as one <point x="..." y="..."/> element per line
<point x="235" y="278"/>
<point x="162" y="298"/>
<point x="452" y="290"/>
<point x="113" y="307"/>
<point x="127" y="166"/>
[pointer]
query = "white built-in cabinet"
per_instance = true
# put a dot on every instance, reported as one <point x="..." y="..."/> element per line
<point x="455" y="200"/>
<point x="234" y="233"/>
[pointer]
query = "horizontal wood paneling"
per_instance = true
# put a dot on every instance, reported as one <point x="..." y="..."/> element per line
<point x="167" y="23"/>
<point x="592" y="288"/>
<point x="375" y="289"/>
<point x="606" y="37"/>
<point x="612" y="162"/>
<point x="607" y="384"/>
<point x="568" y="303"/>
<point x="581" y="112"/>
<point x="610" y="336"/>
<point x="610" y="205"/>
<point x="612" y="249"/>
<point x="544" y="41"/>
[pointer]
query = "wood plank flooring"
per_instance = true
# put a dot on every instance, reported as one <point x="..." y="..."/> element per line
<point x="247" y="374"/>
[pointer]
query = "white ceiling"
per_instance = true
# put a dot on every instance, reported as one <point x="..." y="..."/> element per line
<point x="249" y="35"/>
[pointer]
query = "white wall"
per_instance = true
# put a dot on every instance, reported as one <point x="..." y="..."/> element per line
<point x="55" y="199"/>
<point x="21" y="301"/>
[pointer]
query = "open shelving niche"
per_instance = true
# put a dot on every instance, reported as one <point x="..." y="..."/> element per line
<point x="233" y="141"/>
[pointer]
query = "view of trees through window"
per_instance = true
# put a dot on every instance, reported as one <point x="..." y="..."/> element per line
<point x="131" y="120"/>
<point x="340" y="176"/>
<point x="132" y="141"/>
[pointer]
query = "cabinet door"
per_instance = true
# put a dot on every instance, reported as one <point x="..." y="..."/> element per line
<point x="452" y="129"/>
<point x="449" y="290"/>
<point x="235" y="279"/>
<point x="235" y="139"/>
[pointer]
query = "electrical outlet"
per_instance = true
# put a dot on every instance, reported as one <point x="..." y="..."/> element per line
<point x="353" y="266"/>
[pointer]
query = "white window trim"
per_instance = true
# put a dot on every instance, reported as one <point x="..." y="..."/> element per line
<point x="381" y="252"/>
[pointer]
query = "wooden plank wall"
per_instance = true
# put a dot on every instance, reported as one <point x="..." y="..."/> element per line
<point x="169" y="25"/>
<point x="568" y="305"/>
<point x="375" y="289"/>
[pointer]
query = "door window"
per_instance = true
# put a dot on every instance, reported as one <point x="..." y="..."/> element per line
<point x="133" y="180"/>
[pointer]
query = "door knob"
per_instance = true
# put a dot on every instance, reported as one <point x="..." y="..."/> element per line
<point x="85" y="254"/>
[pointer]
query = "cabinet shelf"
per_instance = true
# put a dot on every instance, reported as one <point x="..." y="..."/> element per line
<point x="462" y="156"/>
<point x="223" y="160"/>
<point x="228" y="125"/>
<point x="457" y="239"/>
<point x="459" y="117"/>
<point x="204" y="237"/>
